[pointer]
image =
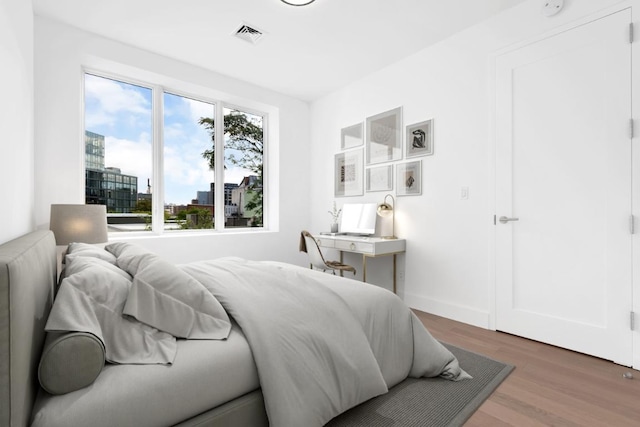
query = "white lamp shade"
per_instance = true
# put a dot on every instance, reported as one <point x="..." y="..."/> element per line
<point x="79" y="223"/>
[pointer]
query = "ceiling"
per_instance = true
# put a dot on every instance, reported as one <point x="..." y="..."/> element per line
<point x="306" y="52"/>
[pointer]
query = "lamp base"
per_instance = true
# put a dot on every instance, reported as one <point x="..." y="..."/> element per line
<point x="388" y="237"/>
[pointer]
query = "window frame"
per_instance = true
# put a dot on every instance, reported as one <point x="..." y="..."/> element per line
<point x="157" y="153"/>
<point x="265" y="164"/>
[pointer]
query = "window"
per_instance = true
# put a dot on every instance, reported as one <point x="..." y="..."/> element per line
<point x="195" y="186"/>
<point x="118" y="129"/>
<point x="243" y="161"/>
<point x="188" y="179"/>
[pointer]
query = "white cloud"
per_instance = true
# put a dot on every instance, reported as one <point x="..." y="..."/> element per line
<point x="198" y="109"/>
<point x="94" y="119"/>
<point x="115" y="97"/>
<point x="145" y="137"/>
<point x="186" y="167"/>
<point x="173" y="132"/>
<point x="131" y="157"/>
<point x="111" y="103"/>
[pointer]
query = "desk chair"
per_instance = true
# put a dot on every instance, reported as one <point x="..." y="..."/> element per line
<point x="309" y="245"/>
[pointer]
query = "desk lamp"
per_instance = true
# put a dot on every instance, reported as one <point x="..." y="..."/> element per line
<point x="385" y="210"/>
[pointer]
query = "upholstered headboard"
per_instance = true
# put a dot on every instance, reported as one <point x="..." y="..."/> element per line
<point x="27" y="278"/>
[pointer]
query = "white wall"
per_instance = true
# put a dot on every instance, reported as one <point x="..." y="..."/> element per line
<point x="447" y="266"/>
<point x="16" y="118"/>
<point x="61" y="52"/>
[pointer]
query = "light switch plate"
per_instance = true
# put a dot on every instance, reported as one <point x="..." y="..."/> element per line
<point x="464" y="193"/>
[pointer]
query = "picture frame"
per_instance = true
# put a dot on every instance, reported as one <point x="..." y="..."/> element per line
<point x="351" y="136"/>
<point x="380" y="178"/>
<point x="348" y="173"/>
<point x="419" y="139"/>
<point x="409" y="178"/>
<point x="384" y="137"/>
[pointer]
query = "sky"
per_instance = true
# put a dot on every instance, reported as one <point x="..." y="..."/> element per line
<point x="122" y="112"/>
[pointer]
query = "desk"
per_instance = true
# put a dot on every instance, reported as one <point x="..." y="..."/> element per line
<point x="369" y="247"/>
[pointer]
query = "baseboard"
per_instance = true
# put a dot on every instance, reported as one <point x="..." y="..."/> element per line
<point x="456" y="312"/>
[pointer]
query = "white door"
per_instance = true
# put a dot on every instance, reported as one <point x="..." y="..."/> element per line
<point x="563" y="168"/>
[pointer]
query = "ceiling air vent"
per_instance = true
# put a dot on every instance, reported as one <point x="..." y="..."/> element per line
<point x="248" y="34"/>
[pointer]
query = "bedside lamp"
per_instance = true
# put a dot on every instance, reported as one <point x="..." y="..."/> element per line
<point x="79" y="223"/>
<point x="385" y="210"/>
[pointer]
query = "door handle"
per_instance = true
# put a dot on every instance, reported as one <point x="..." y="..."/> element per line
<point x="504" y="219"/>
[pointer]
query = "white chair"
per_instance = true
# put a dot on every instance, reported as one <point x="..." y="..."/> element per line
<point x="309" y="245"/>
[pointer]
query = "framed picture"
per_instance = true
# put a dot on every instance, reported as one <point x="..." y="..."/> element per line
<point x="380" y="178"/>
<point x="351" y="136"/>
<point x="384" y="136"/>
<point x="409" y="178"/>
<point x="419" y="139"/>
<point x="348" y="173"/>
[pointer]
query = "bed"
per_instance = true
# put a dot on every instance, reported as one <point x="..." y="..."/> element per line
<point x="282" y="345"/>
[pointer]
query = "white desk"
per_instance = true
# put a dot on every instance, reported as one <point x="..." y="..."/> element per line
<point x="369" y="247"/>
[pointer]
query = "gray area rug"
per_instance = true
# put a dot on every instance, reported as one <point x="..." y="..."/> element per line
<point x="431" y="401"/>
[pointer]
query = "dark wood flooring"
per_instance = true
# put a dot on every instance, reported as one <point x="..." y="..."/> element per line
<point x="550" y="386"/>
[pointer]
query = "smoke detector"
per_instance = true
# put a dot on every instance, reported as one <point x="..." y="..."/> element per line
<point x="248" y="33"/>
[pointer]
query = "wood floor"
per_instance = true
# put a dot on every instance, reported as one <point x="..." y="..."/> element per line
<point x="550" y="386"/>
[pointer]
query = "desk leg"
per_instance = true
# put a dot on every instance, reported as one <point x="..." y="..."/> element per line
<point x="394" y="273"/>
<point x="341" y="272"/>
<point x="364" y="268"/>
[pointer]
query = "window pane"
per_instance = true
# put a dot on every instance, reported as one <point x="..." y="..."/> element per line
<point x="243" y="175"/>
<point x="188" y="163"/>
<point x="118" y="141"/>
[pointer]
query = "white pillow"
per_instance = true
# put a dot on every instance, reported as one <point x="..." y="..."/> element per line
<point x="91" y="298"/>
<point x="127" y="255"/>
<point x="85" y="249"/>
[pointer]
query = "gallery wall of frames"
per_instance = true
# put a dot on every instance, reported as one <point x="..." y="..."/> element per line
<point x="380" y="153"/>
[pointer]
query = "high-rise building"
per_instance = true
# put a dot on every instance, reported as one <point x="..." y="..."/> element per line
<point x="208" y="197"/>
<point x="106" y="185"/>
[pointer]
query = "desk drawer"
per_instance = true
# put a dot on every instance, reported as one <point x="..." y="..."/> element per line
<point x="351" y="246"/>
<point x="325" y="243"/>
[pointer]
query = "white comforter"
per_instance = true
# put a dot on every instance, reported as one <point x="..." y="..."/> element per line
<point x="322" y="344"/>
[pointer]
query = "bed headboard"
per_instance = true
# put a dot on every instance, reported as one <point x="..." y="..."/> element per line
<point x="27" y="278"/>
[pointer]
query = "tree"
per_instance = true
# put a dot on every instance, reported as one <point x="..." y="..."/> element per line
<point x="197" y="218"/>
<point x="244" y="149"/>
<point x="142" y="206"/>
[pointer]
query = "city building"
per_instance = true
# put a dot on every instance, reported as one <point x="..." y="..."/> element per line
<point x="107" y="185"/>
<point x="244" y="192"/>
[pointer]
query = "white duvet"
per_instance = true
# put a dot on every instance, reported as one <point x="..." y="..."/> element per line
<point x="322" y="344"/>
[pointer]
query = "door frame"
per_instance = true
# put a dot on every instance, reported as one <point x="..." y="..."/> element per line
<point x="635" y="157"/>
